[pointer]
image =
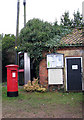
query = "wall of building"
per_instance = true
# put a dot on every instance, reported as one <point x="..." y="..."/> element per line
<point x="68" y="52"/>
<point x="73" y="52"/>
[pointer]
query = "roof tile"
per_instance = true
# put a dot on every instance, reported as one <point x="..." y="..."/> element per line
<point x="75" y="37"/>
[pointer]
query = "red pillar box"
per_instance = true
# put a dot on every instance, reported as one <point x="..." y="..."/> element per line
<point x="12" y="80"/>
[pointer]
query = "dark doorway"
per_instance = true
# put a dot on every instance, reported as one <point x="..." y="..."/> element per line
<point x="74" y="79"/>
<point x="33" y="70"/>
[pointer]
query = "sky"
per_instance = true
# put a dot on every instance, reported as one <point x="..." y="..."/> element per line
<point x="47" y="10"/>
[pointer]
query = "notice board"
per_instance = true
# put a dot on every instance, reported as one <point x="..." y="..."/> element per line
<point x="55" y="76"/>
<point x="55" y="61"/>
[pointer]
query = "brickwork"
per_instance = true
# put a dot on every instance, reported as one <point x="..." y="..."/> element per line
<point x="43" y="73"/>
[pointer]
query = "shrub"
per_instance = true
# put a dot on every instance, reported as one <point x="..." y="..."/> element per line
<point x="34" y="86"/>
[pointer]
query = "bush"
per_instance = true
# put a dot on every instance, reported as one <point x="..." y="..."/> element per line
<point x="34" y="86"/>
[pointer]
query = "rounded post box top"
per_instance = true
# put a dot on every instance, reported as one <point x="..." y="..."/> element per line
<point x="12" y="65"/>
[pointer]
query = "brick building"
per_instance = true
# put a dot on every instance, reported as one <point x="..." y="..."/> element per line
<point x="73" y="70"/>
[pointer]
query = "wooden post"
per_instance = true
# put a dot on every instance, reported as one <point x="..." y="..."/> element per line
<point x="24" y="3"/>
<point x="17" y="28"/>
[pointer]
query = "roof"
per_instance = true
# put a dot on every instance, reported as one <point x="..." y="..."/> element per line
<point x="74" y="38"/>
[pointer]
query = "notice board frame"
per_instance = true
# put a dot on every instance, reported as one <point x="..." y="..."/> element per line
<point x="55" y="60"/>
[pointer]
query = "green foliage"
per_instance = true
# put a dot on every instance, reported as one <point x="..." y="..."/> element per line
<point x="38" y="36"/>
<point x="65" y="20"/>
<point x="72" y="23"/>
<point x="77" y="22"/>
<point x="0" y="42"/>
<point x="59" y="32"/>
<point x="8" y="43"/>
<point x="34" y="35"/>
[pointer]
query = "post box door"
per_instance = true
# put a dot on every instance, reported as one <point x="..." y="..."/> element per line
<point x="14" y="76"/>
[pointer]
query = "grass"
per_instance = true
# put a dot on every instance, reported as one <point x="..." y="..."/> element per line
<point x="47" y="98"/>
<point x="48" y="104"/>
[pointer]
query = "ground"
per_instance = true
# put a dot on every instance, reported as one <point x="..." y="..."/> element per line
<point x="42" y="105"/>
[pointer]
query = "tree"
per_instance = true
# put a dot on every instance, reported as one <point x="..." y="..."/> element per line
<point x="1" y="36"/>
<point x="72" y="23"/>
<point x="38" y="36"/>
<point x="33" y="37"/>
<point x="65" y="20"/>
<point x="77" y="21"/>
<point x="8" y="43"/>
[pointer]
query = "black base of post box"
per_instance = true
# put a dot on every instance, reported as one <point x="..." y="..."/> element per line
<point x="12" y="94"/>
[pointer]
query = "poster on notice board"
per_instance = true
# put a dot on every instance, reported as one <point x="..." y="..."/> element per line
<point x="55" y="61"/>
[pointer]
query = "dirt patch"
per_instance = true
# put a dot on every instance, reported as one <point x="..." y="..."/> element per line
<point x="38" y="105"/>
<point x="41" y="111"/>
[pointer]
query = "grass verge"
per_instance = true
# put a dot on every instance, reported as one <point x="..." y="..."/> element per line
<point x="35" y="98"/>
<point x="43" y="105"/>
